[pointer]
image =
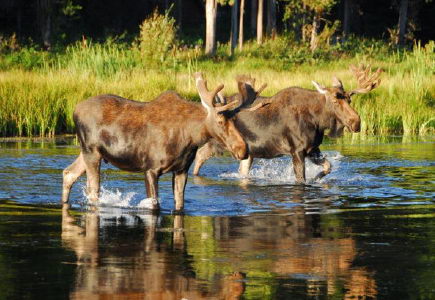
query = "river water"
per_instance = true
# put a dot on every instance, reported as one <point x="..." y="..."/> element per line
<point x="367" y="230"/>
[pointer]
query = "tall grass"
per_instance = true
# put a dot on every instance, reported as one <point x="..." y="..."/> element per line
<point x="38" y="99"/>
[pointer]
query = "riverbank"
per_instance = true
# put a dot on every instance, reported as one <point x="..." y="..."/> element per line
<point x="38" y="97"/>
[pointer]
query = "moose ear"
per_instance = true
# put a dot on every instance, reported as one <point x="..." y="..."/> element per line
<point x="220" y="98"/>
<point x="337" y="83"/>
<point x="320" y="89"/>
<point x="243" y="91"/>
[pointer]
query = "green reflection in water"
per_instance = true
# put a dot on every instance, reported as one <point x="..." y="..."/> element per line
<point x="385" y="253"/>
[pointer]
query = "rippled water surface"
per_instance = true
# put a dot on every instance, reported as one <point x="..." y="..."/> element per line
<point x="366" y="230"/>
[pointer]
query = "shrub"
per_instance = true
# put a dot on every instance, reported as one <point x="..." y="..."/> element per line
<point x="157" y="37"/>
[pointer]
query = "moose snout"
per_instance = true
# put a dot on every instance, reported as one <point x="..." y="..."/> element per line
<point x="240" y="152"/>
<point x="356" y="125"/>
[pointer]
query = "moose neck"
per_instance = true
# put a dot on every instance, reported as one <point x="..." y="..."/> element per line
<point x="188" y="118"/>
<point x="327" y="118"/>
<point x="196" y="128"/>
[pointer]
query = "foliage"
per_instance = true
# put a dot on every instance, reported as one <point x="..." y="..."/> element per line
<point x="8" y="44"/>
<point x="320" y="5"/>
<point x="39" y="89"/>
<point x="157" y="37"/>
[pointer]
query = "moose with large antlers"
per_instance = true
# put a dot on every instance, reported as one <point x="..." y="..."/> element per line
<point x="293" y="122"/>
<point x="157" y="137"/>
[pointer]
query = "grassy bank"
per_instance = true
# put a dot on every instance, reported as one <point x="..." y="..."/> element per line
<point x="39" y="90"/>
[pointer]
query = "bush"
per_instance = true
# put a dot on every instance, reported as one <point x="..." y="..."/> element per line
<point x="157" y="37"/>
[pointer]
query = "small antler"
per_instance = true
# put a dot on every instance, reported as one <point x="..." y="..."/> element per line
<point x="367" y="80"/>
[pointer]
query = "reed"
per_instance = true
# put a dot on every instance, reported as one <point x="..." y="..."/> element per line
<point x="39" y="99"/>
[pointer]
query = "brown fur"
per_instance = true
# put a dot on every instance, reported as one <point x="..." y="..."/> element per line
<point x="155" y="138"/>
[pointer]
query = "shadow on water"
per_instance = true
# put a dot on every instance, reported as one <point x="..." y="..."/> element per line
<point x="365" y="231"/>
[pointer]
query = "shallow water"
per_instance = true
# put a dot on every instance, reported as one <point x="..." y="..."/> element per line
<point x="365" y="230"/>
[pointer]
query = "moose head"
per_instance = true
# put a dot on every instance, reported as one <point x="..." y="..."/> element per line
<point x="219" y="123"/>
<point x="338" y="100"/>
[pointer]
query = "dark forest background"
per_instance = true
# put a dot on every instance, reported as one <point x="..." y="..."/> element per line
<point x="60" y="22"/>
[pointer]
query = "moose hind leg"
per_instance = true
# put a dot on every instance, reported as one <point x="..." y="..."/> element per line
<point x="70" y="175"/>
<point x="178" y="185"/>
<point x="245" y="166"/>
<point x="320" y="160"/>
<point x="152" y="188"/>
<point x="299" y="166"/>
<point x="92" y="162"/>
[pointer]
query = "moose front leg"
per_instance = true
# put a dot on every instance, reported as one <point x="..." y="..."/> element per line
<point x="152" y="187"/>
<point x="179" y="180"/>
<point x="299" y="166"/>
<point x="203" y="154"/>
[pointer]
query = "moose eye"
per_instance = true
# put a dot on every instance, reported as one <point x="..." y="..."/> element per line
<point x="340" y="96"/>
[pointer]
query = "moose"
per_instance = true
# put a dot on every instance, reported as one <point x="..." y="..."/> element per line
<point x="293" y="122"/>
<point x="157" y="137"/>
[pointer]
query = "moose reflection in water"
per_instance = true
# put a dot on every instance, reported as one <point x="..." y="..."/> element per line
<point x="137" y="268"/>
<point x="175" y="257"/>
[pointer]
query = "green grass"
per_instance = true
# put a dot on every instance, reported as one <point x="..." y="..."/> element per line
<point x="39" y="90"/>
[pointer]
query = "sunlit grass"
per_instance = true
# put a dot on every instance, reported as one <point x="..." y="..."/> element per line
<point x="41" y="101"/>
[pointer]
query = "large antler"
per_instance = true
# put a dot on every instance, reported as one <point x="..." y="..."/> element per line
<point x="367" y="80"/>
<point x="247" y="92"/>
<point x="206" y="96"/>
<point x="251" y="81"/>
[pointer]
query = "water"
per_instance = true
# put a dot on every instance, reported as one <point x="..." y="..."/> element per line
<point x="366" y="230"/>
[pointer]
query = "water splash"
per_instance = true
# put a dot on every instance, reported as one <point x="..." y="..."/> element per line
<point x="116" y="198"/>
<point x="280" y="170"/>
<point x="123" y="208"/>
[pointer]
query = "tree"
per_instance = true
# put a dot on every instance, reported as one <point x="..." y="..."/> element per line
<point x="403" y="16"/>
<point x="260" y="22"/>
<point x="318" y="7"/>
<point x="242" y="12"/>
<point x="346" y="17"/>
<point x="44" y="14"/>
<point x="271" y="18"/>
<point x="210" y="27"/>
<point x="254" y="17"/>
<point x="234" y="26"/>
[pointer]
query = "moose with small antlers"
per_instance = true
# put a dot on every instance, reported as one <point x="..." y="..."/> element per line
<point x="293" y="122"/>
<point x="157" y="137"/>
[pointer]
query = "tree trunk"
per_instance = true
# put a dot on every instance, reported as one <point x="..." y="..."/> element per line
<point x="44" y="20"/>
<point x="210" y="31"/>
<point x="346" y="17"/>
<point x="242" y="13"/>
<point x="304" y="18"/>
<point x="19" y="22"/>
<point x="271" y="18"/>
<point x="260" y="22"/>
<point x="179" y="7"/>
<point x="403" y="19"/>
<point x="234" y="26"/>
<point x="314" y="30"/>
<point x="254" y="7"/>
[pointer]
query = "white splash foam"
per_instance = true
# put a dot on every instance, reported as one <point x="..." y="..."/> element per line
<point x="116" y="198"/>
<point x="281" y="169"/>
<point x="148" y="203"/>
<point x="116" y="207"/>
